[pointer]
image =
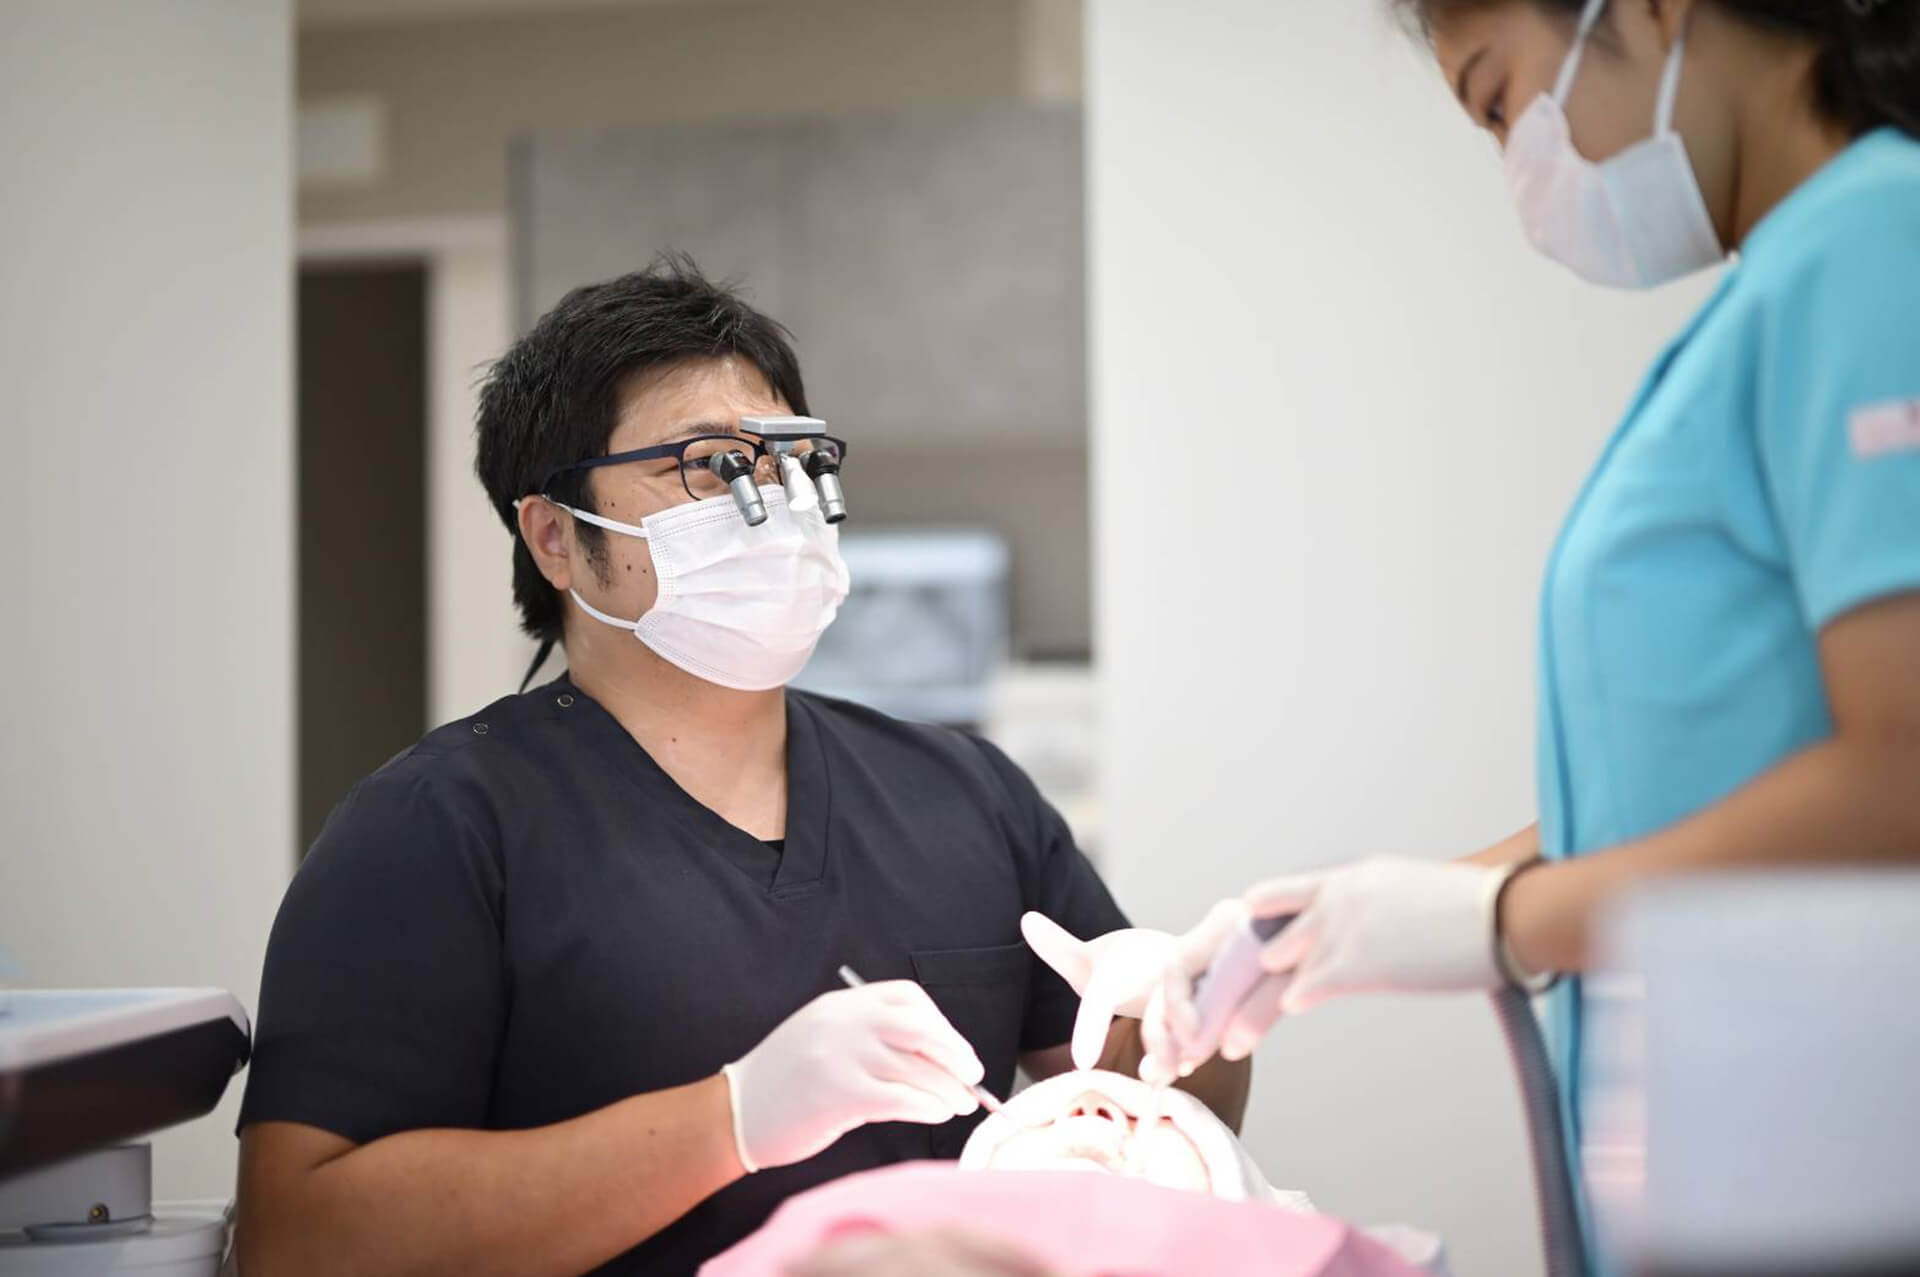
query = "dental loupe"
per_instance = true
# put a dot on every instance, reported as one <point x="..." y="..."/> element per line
<point x="809" y="470"/>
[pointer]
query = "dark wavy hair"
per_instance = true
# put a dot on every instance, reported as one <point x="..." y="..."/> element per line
<point x="1867" y="73"/>
<point x="553" y="398"/>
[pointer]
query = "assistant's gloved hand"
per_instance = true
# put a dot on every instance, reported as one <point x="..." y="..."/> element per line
<point x="1170" y="1026"/>
<point x="1382" y="925"/>
<point x="879" y="1053"/>
<point x="1113" y="974"/>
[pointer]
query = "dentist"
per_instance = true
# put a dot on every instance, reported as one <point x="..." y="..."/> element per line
<point x="555" y="990"/>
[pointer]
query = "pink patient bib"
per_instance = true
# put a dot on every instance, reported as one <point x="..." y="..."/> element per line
<point x="1080" y="1224"/>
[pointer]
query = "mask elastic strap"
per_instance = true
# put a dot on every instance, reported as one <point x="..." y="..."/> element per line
<point x="598" y="615"/>
<point x="539" y="659"/>
<point x="1670" y="82"/>
<point x="1588" y="16"/>
<point x="611" y="525"/>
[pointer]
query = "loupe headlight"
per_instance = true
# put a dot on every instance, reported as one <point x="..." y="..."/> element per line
<point x="807" y="460"/>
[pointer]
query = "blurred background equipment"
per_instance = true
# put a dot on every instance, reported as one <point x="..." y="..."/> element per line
<point x="925" y="628"/>
<point x="1046" y="714"/>
<point x="81" y="1073"/>
<point x="1782" y="1114"/>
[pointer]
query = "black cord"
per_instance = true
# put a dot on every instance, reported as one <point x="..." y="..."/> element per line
<point x="1560" y="1234"/>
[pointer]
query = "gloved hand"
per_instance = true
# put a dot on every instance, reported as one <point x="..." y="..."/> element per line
<point x="879" y="1053"/>
<point x="1113" y="974"/>
<point x="1382" y="925"/>
<point x="1170" y="1026"/>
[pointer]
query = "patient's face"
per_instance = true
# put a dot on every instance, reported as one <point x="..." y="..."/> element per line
<point x="1092" y="1121"/>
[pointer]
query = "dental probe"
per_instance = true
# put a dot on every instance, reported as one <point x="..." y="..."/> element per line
<point x="988" y="1100"/>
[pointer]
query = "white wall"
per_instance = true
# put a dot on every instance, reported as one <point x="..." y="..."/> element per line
<point x="476" y="652"/>
<point x="147" y="761"/>
<point x="1299" y="248"/>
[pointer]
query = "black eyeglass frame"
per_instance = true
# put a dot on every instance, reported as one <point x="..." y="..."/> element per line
<point x="756" y="448"/>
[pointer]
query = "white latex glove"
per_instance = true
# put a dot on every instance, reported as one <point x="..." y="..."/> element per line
<point x="879" y="1053"/>
<point x="1170" y="1026"/>
<point x="1382" y="925"/>
<point x="1113" y="974"/>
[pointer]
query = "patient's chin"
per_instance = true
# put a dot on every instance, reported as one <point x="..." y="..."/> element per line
<point x="1020" y="1159"/>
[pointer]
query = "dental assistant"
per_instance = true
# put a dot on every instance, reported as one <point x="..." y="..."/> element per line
<point x="1729" y="632"/>
<point x="555" y="988"/>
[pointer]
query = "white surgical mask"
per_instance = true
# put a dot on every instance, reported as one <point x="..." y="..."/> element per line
<point x="1633" y="220"/>
<point x="738" y="606"/>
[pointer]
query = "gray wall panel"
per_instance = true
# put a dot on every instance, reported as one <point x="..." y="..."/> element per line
<point x="597" y="205"/>
<point x="943" y="260"/>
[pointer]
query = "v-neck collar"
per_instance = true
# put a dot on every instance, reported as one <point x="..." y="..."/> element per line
<point x="809" y="804"/>
<point x="802" y="863"/>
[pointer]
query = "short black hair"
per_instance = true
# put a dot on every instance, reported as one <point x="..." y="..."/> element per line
<point x="554" y="397"/>
<point x="1866" y="74"/>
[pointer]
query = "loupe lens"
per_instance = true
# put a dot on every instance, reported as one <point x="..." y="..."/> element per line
<point x="710" y="465"/>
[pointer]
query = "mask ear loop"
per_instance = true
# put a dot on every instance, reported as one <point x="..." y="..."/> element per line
<point x="599" y="521"/>
<point x="1670" y="81"/>
<point x="1563" y="84"/>
<point x="594" y="612"/>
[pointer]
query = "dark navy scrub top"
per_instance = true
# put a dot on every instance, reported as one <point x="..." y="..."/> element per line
<point x="523" y="919"/>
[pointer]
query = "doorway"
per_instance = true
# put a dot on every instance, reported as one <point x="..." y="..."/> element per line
<point x="362" y="426"/>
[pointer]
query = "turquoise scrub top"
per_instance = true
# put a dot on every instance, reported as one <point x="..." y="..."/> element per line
<point x="1765" y="480"/>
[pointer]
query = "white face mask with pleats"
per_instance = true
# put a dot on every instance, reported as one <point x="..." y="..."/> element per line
<point x="738" y="606"/>
<point x="1632" y="220"/>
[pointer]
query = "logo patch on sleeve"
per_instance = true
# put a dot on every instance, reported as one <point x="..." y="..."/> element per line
<point x="1881" y="428"/>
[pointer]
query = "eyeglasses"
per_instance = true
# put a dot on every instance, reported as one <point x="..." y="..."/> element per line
<point x="708" y="463"/>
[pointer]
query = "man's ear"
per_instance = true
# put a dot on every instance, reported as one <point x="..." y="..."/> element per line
<point x="547" y="531"/>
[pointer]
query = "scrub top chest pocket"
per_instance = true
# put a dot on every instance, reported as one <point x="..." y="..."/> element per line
<point x="983" y="993"/>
